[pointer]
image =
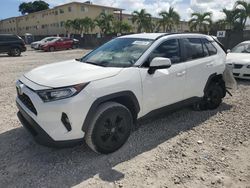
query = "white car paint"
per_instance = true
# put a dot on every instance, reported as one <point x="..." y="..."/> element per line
<point x="164" y="87"/>
<point x="240" y="63"/>
<point x="69" y="73"/>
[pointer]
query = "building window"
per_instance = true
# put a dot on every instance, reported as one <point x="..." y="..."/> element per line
<point x="69" y="9"/>
<point x="56" y="12"/>
<point x="105" y="11"/>
<point x="62" y="24"/>
<point x="84" y="9"/>
<point x="61" y="11"/>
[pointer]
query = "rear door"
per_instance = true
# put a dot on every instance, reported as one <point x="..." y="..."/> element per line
<point x="59" y="44"/>
<point x="199" y="66"/>
<point x="68" y="43"/>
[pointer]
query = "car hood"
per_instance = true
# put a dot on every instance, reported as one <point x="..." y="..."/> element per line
<point x="242" y="58"/>
<point x="69" y="73"/>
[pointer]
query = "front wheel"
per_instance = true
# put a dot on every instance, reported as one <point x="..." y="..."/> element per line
<point x="110" y="128"/>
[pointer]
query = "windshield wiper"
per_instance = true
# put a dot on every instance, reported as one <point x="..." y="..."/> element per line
<point x="93" y="63"/>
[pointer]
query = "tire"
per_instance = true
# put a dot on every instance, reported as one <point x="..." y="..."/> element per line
<point x="52" y="49"/>
<point x="15" y="52"/>
<point x="110" y="128"/>
<point x="212" y="98"/>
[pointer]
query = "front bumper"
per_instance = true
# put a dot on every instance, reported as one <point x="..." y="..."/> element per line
<point x="23" y="49"/>
<point x="241" y="71"/>
<point x="39" y="134"/>
<point x="46" y="118"/>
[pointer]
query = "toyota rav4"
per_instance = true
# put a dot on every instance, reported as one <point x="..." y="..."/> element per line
<point x="99" y="97"/>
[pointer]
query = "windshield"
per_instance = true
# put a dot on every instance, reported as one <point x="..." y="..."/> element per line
<point x="120" y="52"/>
<point x="48" y="39"/>
<point x="241" y="48"/>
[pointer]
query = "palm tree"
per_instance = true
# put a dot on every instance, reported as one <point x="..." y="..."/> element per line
<point x="169" y="19"/>
<point x="142" y="19"/>
<point x="104" y="22"/>
<point x="121" y="27"/>
<point x="202" y="20"/>
<point x="231" y="18"/>
<point x="86" y="25"/>
<point x="244" y="12"/>
<point x="76" y="25"/>
<point x="68" y="26"/>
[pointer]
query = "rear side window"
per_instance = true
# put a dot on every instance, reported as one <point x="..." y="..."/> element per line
<point x="168" y="49"/>
<point x="194" y="48"/>
<point x="211" y="49"/>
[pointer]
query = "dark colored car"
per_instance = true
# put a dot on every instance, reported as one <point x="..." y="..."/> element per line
<point x="76" y="43"/>
<point x="11" y="44"/>
<point x="58" y="44"/>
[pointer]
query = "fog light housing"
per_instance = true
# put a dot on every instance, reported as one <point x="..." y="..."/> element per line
<point x="66" y="122"/>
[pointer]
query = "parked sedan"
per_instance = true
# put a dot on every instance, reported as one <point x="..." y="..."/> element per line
<point x="58" y="44"/>
<point x="36" y="45"/>
<point x="239" y="59"/>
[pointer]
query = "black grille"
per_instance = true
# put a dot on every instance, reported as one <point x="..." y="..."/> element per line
<point x="236" y="74"/>
<point x="27" y="102"/>
<point x="246" y="75"/>
<point x="238" y="66"/>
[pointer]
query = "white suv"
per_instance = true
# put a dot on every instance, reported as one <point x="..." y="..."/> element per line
<point x="100" y="96"/>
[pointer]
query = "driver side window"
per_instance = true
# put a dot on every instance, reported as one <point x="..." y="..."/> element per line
<point x="168" y="49"/>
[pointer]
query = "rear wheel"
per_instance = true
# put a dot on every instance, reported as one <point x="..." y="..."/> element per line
<point x="110" y="128"/>
<point x="15" y="52"/>
<point x="52" y="49"/>
<point x="212" y="98"/>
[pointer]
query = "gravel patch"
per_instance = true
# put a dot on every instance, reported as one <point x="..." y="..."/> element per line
<point x="184" y="148"/>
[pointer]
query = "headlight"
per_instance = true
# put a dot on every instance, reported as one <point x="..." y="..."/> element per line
<point x="60" y="93"/>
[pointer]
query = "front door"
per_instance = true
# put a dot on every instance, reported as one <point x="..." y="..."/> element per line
<point x="165" y="86"/>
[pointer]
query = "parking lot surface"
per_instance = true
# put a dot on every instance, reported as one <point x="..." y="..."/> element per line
<point x="180" y="149"/>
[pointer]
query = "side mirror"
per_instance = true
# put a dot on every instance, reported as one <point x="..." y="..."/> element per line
<point x="228" y="51"/>
<point x="159" y="63"/>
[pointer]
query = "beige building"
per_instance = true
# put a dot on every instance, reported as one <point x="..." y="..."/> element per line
<point x="51" y="21"/>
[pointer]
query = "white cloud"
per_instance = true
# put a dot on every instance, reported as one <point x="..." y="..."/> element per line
<point x="213" y="6"/>
<point x="184" y="7"/>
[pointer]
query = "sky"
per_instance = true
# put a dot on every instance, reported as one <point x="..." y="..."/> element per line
<point x="9" y="8"/>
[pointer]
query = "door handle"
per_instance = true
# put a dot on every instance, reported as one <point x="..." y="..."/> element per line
<point x="210" y="64"/>
<point x="179" y="74"/>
